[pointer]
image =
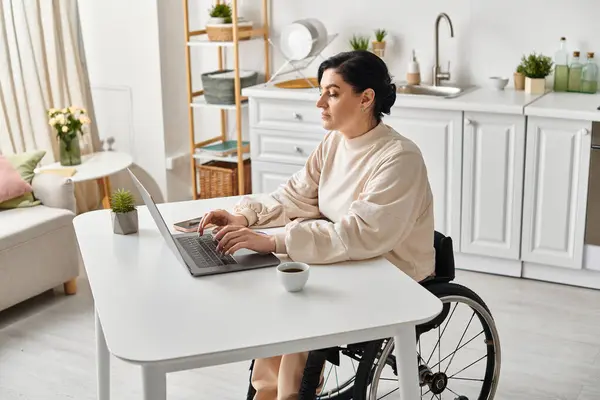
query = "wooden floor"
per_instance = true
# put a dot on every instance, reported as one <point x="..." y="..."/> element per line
<point x="550" y="347"/>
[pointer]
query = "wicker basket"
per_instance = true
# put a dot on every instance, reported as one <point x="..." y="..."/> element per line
<point x="224" y="32"/>
<point x="219" y="179"/>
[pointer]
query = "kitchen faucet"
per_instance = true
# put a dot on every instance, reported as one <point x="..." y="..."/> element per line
<point x="438" y="74"/>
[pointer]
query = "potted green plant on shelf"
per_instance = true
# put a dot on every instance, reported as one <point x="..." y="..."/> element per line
<point x="536" y="67"/>
<point x="519" y="77"/>
<point x="379" y="42"/>
<point x="68" y="123"/>
<point x="219" y="27"/>
<point x="359" y="42"/>
<point x="124" y="213"/>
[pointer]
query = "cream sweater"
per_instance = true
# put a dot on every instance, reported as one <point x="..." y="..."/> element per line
<point x="375" y="193"/>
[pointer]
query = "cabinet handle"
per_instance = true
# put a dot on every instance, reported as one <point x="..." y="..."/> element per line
<point x="297" y="116"/>
<point x="298" y="149"/>
<point x="467" y="121"/>
<point x="585" y="131"/>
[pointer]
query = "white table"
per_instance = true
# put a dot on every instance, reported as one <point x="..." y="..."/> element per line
<point x="97" y="166"/>
<point x="151" y="312"/>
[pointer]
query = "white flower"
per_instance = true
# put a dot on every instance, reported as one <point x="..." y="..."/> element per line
<point x="52" y="121"/>
<point x="72" y="109"/>
<point x="65" y="129"/>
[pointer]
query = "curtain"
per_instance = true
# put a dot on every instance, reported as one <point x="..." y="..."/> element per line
<point x="42" y="66"/>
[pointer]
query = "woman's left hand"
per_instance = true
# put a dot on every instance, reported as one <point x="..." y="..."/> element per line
<point x="232" y="238"/>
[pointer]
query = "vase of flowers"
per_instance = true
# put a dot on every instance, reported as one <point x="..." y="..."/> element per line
<point x="68" y="123"/>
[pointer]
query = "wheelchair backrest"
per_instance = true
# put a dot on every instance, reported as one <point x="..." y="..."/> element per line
<point x="444" y="257"/>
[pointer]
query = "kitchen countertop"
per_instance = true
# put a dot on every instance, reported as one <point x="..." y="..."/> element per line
<point x="478" y="99"/>
<point x="578" y="106"/>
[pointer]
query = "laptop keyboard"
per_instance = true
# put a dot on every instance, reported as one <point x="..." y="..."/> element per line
<point x="203" y="251"/>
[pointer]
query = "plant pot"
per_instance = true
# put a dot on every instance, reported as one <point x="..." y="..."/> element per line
<point x="215" y="21"/>
<point x="379" y="48"/>
<point x="535" y="85"/>
<point x="224" y="32"/>
<point x="125" y="223"/>
<point x="70" y="153"/>
<point x="519" y="81"/>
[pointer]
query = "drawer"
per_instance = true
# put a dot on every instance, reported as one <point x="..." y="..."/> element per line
<point x="267" y="177"/>
<point x="297" y="115"/>
<point x="276" y="146"/>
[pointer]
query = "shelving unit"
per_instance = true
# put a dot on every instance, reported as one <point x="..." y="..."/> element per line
<point x="199" y="38"/>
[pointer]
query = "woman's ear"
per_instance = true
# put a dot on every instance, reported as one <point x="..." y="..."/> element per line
<point x="367" y="99"/>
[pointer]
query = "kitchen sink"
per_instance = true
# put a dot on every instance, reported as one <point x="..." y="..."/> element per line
<point x="435" y="91"/>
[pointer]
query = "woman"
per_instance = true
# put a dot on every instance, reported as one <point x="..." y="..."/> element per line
<point x="368" y="181"/>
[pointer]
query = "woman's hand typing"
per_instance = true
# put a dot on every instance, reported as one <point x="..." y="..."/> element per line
<point x="221" y="218"/>
<point x="232" y="238"/>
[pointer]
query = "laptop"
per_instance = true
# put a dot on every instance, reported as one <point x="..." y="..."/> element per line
<point x="199" y="254"/>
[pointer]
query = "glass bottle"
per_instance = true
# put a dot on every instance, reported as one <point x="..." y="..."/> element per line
<point x="589" y="75"/>
<point x="561" y="69"/>
<point x="575" y="70"/>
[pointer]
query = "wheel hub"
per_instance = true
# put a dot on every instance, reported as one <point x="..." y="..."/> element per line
<point x="436" y="382"/>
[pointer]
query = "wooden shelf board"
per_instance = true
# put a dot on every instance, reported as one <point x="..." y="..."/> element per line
<point x="205" y="157"/>
<point x="201" y="39"/>
<point x="200" y="101"/>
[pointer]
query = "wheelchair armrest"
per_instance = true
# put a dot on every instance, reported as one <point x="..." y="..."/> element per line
<point x="444" y="257"/>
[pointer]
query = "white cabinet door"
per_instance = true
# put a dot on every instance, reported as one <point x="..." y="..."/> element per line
<point x="493" y="163"/>
<point x="267" y="176"/>
<point x="439" y="136"/>
<point x="555" y="192"/>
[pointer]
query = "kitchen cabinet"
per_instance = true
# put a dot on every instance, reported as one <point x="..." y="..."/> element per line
<point x="555" y="191"/>
<point x="492" y="184"/>
<point x="438" y="133"/>
<point x="268" y="176"/>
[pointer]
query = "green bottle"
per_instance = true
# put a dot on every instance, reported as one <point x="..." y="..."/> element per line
<point x="589" y="75"/>
<point x="575" y="70"/>
<point x="561" y="67"/>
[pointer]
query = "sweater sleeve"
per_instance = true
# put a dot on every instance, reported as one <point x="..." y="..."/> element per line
<point x="297" y="198"/>
<point x="381" y="217"/>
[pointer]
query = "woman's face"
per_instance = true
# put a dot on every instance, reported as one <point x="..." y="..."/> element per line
<point x="341" y="108"/>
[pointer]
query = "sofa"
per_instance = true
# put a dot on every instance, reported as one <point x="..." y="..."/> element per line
<point x="38" y="247"/>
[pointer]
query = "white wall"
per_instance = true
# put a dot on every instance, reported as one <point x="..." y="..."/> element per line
<point x="490" y="36"/>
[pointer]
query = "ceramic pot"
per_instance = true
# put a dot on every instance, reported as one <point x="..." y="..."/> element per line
<point x="379" y="48"/>
<point x="125" y="223"/>
<point x="535" y="85"/>
<point x="519" y="81"/>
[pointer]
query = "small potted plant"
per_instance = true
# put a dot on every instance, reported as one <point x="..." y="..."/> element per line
<point x="219" y="27"/>
<point x="68" y="123"/>
<point x="124" y="213"/>
<point x="519" y="77"/>
<point x="536" y="68"/>
<point x="359" y="42"/>
<point x="379" y="42"/>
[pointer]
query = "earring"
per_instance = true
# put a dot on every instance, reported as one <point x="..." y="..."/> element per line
<point x="362" y="109"/>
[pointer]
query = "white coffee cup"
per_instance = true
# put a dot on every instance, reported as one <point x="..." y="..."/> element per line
<point x="293" y="275"/>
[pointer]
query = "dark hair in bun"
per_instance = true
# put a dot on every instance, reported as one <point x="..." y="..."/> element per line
<point x="364" y="70"/>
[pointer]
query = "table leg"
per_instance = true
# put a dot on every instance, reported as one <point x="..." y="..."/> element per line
<point x="102" y="363"/>
<point x="154" y="383"/>
<point x="104" y="183"/>
<point x="406" y="360"/>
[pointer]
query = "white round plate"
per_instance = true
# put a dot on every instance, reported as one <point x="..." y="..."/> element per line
<point x="296" y="41"/>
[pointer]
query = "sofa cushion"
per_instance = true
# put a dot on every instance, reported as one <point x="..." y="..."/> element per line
<point x="19" y="225"/>
<point x="25" y="164"/>
<point x="11" y="183"/>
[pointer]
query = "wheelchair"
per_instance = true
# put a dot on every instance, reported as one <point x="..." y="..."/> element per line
<point x="367" y="371"/>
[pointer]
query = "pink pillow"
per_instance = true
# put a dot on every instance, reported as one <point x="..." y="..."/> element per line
<point x="11" y="183"/>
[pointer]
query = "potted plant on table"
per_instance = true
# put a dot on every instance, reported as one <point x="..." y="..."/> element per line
<point x="536" y="67"/>
<point x="68" y="123"/>
<point x="359" y="42"/>
<point x="219" y="27"/>
<point x="379" y="42"/>
<point x="124" y="213"/>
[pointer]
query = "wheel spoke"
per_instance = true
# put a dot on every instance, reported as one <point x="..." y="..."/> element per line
<point x="473" y="363"/>
<point x="461" y="338"/>
<point x="326" y="379"/>
<point x="452" y="391"/>
<point x="449" y="355"/>
<point x="466" y="379"/>
<point x="447" y="322"/>
<point x="387" y="394"/>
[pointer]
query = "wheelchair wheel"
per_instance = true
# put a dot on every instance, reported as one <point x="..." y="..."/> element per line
<point x="458" y="354"/>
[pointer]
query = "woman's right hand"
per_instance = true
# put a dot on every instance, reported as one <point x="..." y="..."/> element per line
<point x="221" y="218"/>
